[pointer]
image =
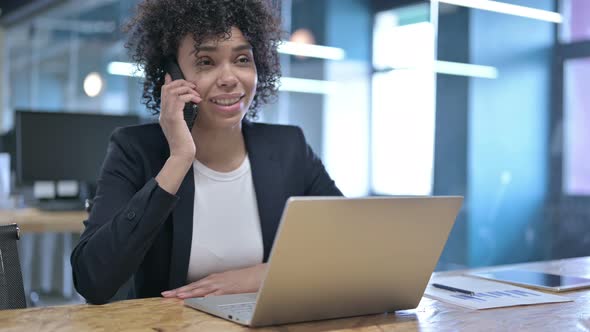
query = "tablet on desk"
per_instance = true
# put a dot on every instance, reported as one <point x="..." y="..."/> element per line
<point x="541" y="280"/>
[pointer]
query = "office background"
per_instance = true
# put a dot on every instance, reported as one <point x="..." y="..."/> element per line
<point x="398" y="97"/>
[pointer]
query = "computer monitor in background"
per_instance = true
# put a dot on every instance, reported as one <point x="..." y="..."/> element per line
<point x="55" y="147"/>
<point x="8" y="145"/>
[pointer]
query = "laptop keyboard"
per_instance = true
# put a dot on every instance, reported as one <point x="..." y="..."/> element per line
<point x="238" y="308"/>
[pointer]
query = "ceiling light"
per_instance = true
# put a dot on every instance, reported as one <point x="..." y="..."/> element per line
<point x="292" y="84"/>
<point x="124" y="69"/>
<point x="465" y="69"/>
<point x="506" y="8"/>
<point x="312" y="51"/>
<point x="93" y="84"/>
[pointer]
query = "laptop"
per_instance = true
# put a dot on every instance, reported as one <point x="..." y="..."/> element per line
<point x="337" y="257"/>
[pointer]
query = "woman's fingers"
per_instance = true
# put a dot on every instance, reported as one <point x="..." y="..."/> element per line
<point x="196" y="292"/>
<point x="182" y="90"/>
<point x="198" y="288"/>
<point x="186" y="288"/>
<point x="169" y="293"/>
<point x="216" y="293"/>
<point x="183" y="99"/>
<point x="190" y="97"/>
<point x="170" y="84"/>
<point x="205" y="282"/>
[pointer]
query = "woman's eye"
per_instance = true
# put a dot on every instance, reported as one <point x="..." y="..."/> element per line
<point x="204" y="62"/>
<point x="243" y="59"/>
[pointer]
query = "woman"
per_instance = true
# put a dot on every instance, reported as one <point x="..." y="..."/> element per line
<point x="194" y="212"/>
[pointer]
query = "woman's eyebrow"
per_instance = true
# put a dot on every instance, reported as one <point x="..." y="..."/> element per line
<point x="242" y="47"/>
<point x="206" y="48"/>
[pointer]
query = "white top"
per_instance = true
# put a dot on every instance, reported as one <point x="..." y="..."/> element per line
<point x="226" y="225"/>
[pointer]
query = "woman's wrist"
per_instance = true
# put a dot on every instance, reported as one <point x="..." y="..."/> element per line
<point x="182" y="158"/>
<point x="173" y="172"/>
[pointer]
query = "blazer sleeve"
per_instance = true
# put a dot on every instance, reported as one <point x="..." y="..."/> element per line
<point x="316" y="179"/>
<point x="125" y="219"/>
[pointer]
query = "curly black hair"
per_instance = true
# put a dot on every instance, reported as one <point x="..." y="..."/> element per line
<point x="159" y="26"/>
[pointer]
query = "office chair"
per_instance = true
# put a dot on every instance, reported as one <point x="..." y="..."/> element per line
<point x="12" y="292"/>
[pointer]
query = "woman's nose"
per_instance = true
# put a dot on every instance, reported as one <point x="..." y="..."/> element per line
<point x="227" y="77"/>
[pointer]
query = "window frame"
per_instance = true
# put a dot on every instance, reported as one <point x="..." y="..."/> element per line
<point x="562" y="53"/>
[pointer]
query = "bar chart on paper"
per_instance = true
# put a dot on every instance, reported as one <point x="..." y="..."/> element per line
<point x="487" y="294"/>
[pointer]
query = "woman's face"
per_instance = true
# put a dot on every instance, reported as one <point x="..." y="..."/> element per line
<point x="225" y="74"/>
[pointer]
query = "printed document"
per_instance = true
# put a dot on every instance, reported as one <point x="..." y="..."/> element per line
<point x="488" y="294"/>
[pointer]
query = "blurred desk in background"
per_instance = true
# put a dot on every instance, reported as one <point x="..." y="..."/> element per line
<point x="41" y="252"/>
<point x="158" y="314"/>
<point x="31" y="220"/>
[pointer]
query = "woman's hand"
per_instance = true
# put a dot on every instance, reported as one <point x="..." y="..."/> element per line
<point x="246" y="280"/>
<point x="174" y="95"/>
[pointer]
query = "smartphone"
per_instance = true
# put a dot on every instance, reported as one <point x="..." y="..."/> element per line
<point x="190" y="109"/>
<point x="541" y="280"/>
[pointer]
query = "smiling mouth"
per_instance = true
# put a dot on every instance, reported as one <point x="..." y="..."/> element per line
<point x="226" y="101"/>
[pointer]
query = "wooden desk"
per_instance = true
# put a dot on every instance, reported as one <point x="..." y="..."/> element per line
<point x="158" y="314"/>
<point x="32" y="220"/>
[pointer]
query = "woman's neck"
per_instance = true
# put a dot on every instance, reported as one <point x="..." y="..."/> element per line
<point x="222" y="150"/>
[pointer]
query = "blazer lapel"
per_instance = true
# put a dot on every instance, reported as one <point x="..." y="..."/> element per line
<point x="266" y="175"/>
<point x="182" y="231"/>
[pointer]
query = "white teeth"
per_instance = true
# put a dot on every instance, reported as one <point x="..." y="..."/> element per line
<point x="226" y="102"/>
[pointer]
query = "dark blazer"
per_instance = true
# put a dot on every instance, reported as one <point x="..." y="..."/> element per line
<point x="137" y="229"/>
